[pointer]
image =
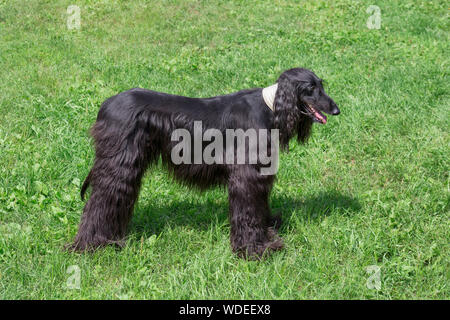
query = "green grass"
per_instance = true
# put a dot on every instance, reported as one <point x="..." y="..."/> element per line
<point x="370" y="188"/>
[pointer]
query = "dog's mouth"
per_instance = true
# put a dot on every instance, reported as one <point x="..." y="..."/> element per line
<point x="315" y="114"/>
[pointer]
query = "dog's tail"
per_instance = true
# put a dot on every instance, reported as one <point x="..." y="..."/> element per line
<point x="85" y="185"/>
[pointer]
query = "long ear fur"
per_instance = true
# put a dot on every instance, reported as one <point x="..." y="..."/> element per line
<point x="288" y="118"/>
<point x="286" y="111"/>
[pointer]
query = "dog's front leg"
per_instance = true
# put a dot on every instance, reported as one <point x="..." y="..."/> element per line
<point x="252" y="232"/>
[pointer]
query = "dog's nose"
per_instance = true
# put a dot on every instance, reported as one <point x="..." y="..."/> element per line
<point x="336" y="110"/>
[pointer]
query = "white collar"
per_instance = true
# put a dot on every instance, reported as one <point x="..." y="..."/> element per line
<point x="268" y="94"/>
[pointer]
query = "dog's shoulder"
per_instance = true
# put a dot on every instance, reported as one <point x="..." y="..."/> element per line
<point x="248" y="109"/>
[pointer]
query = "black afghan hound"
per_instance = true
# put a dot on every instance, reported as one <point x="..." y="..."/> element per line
<point x="135" y="127"/>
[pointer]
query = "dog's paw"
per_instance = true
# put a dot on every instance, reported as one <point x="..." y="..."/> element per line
<point x="259" y="251"/>
<point x="90" y="246"/>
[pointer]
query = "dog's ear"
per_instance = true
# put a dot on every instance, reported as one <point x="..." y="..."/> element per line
<point x="286" y="112"/>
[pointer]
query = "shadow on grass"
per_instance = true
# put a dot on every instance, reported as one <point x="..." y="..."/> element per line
<point x="316" y="207"/>
<point x="153" y="219"/>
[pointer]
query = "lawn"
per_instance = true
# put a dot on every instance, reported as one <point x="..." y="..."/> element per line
<point x="366" y="199"/>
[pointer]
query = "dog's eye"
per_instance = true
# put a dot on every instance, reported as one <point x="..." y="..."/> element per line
<point x="309" y="90"/>
<point x="305" y="89"/>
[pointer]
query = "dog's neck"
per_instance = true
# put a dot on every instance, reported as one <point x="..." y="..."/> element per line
<point x="268" y="94"/>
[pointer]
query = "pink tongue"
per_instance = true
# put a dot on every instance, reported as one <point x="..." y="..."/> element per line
<point x="320" y="117"/>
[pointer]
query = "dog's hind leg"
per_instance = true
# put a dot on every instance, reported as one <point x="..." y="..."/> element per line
<point x="252" y="233"/>
<point x="122" y="156"/>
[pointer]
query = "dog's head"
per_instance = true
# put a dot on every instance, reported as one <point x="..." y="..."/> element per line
<point x="312" y="100"/>
<point x="301" y="99"/>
